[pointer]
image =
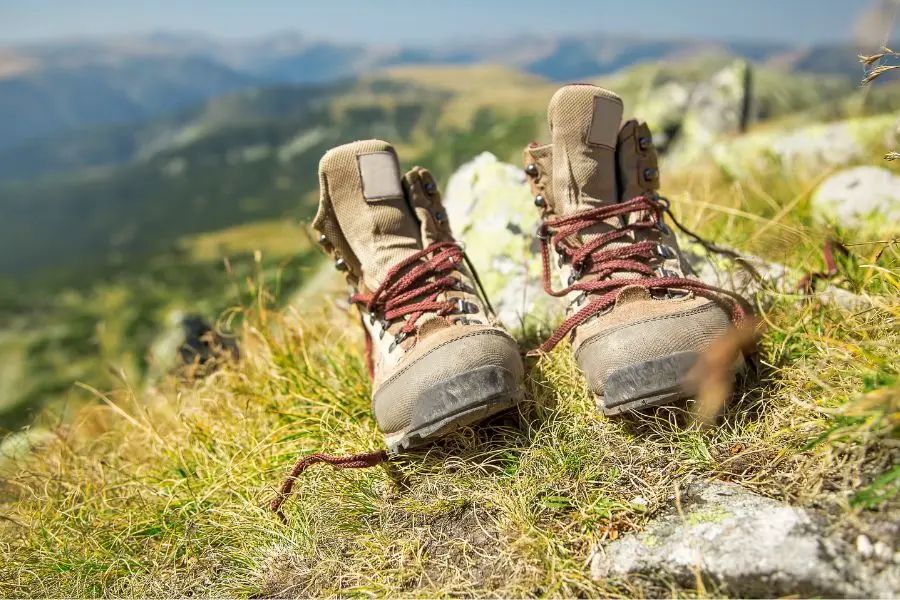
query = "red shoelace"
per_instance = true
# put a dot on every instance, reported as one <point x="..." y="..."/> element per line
<point x="354" y="461"/>
<point x="410" y="289"/>
<point x="595" y="260"/>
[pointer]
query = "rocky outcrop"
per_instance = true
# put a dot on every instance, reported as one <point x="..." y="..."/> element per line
<point x="189" y="342"/>
<point x="750" y="546"/>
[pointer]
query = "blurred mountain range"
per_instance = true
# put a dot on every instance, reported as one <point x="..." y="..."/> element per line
<point x="54" y="88"/>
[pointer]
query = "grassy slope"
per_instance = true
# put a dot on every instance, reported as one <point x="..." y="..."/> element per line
<point x="164" y="495"/>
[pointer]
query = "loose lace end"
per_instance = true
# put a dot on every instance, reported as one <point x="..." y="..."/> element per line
<point x="354" y="461"/>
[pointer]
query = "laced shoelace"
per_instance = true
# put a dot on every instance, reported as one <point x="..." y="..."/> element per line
<point x="411" y="287"/>
<point x="595" y="260"/>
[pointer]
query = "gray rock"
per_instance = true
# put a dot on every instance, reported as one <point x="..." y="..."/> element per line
<point x="719" y="106"/>
<point x="749" y="545"/>
<point x="755" y="279"/>
<point x="688" y="119"/>
<point x="851" y="196"/>
<point x="750" y="277"/>
<point x="864" y="546"/>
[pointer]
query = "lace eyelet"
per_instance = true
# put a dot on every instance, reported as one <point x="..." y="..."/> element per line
<point x="667" y="273"/>
<point x="645" y="142"/>
<point x="531" y="169"/>
<point x="664" y="251"/>
<point x="401" y="337"/>
<point x="667" y="294"/>
<point x="464" y="307"/>
<point x="540" y="201"/>
<point x="663" y="228"/>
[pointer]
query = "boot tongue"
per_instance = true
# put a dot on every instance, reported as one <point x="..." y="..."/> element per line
<point x="584" y="124"/>
<point x="363" y="185"/>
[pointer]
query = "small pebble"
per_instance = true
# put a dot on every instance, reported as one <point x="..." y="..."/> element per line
<point x="883" y="552"/>
<point x="864" y="546"/>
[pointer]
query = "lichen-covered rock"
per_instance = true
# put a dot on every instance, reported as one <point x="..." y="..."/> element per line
<point x="492" y="213"/>
<point x="859" y="196"/>
<point x="750" y="545"/>
<point x="749" y="277"/>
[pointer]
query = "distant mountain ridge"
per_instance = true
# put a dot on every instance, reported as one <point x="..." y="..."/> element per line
<point x="56" y="87"/>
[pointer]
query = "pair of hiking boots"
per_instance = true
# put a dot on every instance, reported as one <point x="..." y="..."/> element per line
<point x="438" y="359"/>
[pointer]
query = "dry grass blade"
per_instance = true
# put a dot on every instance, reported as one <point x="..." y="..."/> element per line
<point x="877" y="72"/>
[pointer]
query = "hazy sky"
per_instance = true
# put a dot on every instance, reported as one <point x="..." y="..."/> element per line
<point x="801" y="21"/>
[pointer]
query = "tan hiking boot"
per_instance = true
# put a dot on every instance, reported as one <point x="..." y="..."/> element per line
<point x="637" y="318"/>
<point x="436" y="357"/>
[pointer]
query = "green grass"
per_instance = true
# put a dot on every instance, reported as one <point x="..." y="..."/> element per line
<point x="165" y="493"/>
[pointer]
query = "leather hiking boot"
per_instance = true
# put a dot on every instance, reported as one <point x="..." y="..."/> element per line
<point x="436" y="357"/>
<point x="637" y="318"/>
